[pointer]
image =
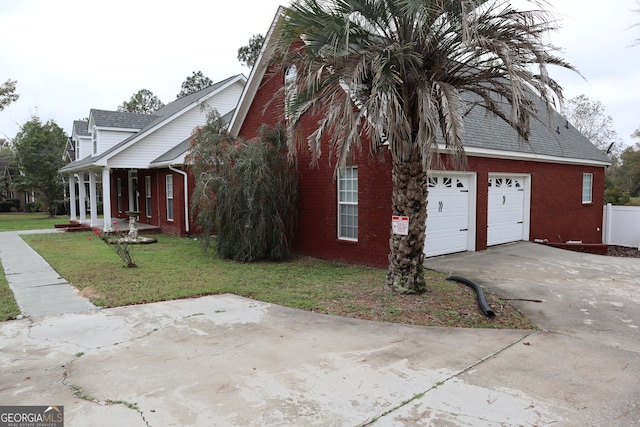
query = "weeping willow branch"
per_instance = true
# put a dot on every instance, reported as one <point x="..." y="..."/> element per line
<point x="245" y="193"/>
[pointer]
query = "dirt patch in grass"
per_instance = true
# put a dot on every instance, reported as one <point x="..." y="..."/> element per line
<point x="177" y="268"/>
<point x="90" y="293"/>
<point x="446" y="304"/>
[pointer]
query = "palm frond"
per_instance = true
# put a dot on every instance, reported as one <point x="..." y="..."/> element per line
<point x="395" y="70"/>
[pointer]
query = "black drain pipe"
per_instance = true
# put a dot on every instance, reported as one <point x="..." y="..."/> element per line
<point x="482" y="301"/>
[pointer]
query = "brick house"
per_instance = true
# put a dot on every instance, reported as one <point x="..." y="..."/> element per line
<point x="136" y="162"/>
<point x="551" y="188"/>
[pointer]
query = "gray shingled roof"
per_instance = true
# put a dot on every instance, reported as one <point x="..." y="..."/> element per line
<point x="181" y="103"/>
<point x="147" y="121"/>
<point x="121" y="119"/>
<point x="551" y="135"/>
<point x="81" y="127"/>
<point x="174" y="153"/>
<point x="171" y="109"/>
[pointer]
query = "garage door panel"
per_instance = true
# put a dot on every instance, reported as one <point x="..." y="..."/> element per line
<point x="505" y="219"/>
<point x="447" y="215"/>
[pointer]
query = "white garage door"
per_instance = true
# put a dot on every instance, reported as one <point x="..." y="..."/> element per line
<point x="505" y="221"/>
<point x="447" y="215"/>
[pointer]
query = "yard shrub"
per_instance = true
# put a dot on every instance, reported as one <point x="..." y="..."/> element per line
<point x="16" y="203"/>
<point x="120" y="243"/>
<point x="245" y="192"/>
<point x="34" y="207"/>
<point x="5" y="206"/>
<point x="616" y="197"/>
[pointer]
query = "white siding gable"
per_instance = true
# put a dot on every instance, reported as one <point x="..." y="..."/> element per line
<point x="108" y="138"/>
<point x="173" y="132"/>
<point x="83" y="147"/>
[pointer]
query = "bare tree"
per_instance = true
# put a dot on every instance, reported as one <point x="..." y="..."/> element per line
<point x="591" y="119"/>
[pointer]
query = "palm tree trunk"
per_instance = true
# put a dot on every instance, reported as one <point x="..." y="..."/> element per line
<point x="406" y="253"/>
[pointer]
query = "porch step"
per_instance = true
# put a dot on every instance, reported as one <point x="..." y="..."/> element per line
<point x="73" y="226"/>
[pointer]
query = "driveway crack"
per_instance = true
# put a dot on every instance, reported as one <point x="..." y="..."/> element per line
<point x="419" y="396"/>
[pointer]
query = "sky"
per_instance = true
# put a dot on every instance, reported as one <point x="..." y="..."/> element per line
<point x="69" y="56"/>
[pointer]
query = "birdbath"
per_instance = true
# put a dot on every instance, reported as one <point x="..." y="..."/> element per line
<point x="133" y="229"/>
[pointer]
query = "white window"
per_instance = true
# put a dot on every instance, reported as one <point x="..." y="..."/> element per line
<point x="348" y="203"/>
<point x="119" y="190"/>
<point x="290" y="90"/>
<point x="94" y="139"/>
<point x="587" y="188"/>
<point x="147" y="192"/>
<point x="170" y="197"/>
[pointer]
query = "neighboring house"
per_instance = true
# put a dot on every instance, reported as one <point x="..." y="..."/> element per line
<point x="551" y="188"/>
<point x="7" y="187"/>
<point x="139" y="160"/>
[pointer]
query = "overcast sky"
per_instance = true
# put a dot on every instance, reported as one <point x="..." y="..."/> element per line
<point x="69" y="56"/>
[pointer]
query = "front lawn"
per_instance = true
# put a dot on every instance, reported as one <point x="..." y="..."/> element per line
<point x="29" y="221"/>
<point x="8" y="307"/>
<point x="177" y="268"/>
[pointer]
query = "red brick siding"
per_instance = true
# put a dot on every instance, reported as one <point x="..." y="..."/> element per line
<point x="122" y="174"/>
<point x="175" y="226"/>
<point x="158" y="199"/>
<point x="557" y="212"/>
<point x="317" y="228"/>
<point x="267" y="106"/>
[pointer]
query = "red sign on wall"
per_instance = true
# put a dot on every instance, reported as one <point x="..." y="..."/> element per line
<point x="400" y="225"/>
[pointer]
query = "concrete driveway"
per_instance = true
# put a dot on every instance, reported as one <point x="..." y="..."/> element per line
<point x="230" y="361"/>
<point x="587" y="355"/>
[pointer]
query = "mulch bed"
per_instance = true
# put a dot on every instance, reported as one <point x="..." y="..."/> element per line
<point x="623" y="251"/>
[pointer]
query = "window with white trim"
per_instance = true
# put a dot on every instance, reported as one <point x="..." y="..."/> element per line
<point x="587" y="188"/>
<point x="290" y="93"/>
<point x="94" y="140"/>
<point x="170" y="197"/>
<point x="147" y="193"/>
<point x="348" y="203"/>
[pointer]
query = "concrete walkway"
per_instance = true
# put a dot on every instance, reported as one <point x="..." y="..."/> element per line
<point x="38" y="289"/>
<point x="229" y="361"/>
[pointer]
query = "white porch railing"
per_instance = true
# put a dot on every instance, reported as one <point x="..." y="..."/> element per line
<point x="621" y="225"/>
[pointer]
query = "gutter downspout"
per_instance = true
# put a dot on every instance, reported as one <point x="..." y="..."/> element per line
<point x="186" y="197"/>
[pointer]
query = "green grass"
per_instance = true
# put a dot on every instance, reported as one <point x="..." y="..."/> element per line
<point x="29" y="221"/>
<point x="8" y="307"/>
<point x="176" y="268"/>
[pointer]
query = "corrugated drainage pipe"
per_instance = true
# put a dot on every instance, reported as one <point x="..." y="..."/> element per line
<point x="482" y="300"/>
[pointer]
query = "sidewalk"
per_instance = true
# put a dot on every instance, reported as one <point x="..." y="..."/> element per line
<point x="38" y="289"/>
<point x="225" y="360"/>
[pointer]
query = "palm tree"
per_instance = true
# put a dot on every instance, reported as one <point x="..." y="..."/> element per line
<point x="405" y="65"/>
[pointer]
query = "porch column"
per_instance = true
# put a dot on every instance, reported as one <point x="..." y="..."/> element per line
<point x="72" y="198"/>
<point x="93" y="202"/>
<point x="106" y="198"/>
<point x="83" y="198"/>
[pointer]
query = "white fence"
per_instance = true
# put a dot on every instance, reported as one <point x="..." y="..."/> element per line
<point x="621" y="225"/>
